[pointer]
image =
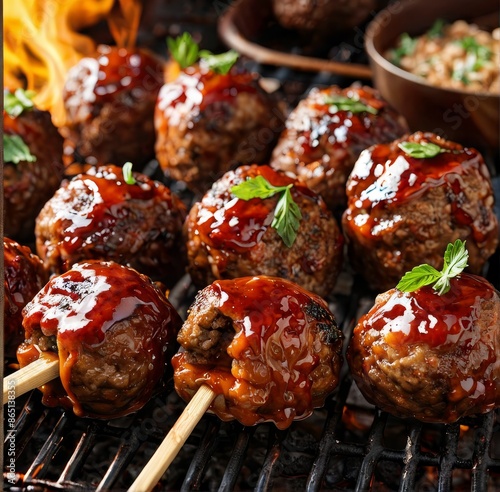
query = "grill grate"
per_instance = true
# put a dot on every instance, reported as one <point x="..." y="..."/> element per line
<point x="347" y="445"/>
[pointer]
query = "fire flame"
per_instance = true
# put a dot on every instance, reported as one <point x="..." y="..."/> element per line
<point x="43" y="40"/>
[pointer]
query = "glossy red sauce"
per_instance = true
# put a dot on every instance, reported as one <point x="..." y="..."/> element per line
<point x="425" y="317"/>
<point x="385" y="176"/>
<point x="226" y="222"/>
<point x="197" y="87"/>
<point x="274" y="349"/>
<point x="97" y="201"/>
<point x="26" y="128"/>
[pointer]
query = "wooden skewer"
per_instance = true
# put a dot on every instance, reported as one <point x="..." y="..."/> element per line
<point x="174" y="441"/>
<point x="32" y="376"/>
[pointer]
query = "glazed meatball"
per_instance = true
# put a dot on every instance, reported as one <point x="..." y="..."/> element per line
<point x="113" y="332"/>
<point x="97" y="215"/>
<point x="270" y="350"/>
<point x="207" y="123"/>
<point x="28" y="185"/>
<point x="229" y="237"/>
<point x="24" y="276"/>
<point x="327" y="131"/>
<point x="404" y="210"/>
<point x="428" y="356"/>
<point x="109" y="101"/>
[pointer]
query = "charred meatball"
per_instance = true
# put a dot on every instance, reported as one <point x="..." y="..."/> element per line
<point x="327" y="131"/>
<point x="269" y="349"/>
<point x="404" y="210"/>
<point x="113" y="331"/>
<point x="207" y="123"/>
<point x="229" y="237"/>
<point x="109" y="101"/>
<point x="428" y="356"/>
<point x="98" y="215"/>
<point x="24" y="276"/>
<point x="28" y="184"/>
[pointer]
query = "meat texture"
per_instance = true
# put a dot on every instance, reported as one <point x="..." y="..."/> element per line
<point x="430" y="357"/>
<point x="403" y="211"/>
<point x="28" y="185"/>
<point x="229" y="237"/>
<point x="24" y="275"/>
<point x="110" y="100"/>
<point x="113" y="332"/>
<point x="270" y="350"/>
<point x="97" y="215"/>
<point x="208" y="123"/>
<point x="327" y="131"/>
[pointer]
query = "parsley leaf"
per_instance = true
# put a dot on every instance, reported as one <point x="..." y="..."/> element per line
<point x="436" y="30"/>
<point x="455" y="261"/>
<point x="405" y="47"/>
<point x="15" y="103"/>
<point x="424" y="150"/>
<point x="15" y="150"/>
<point x="127" y="174"/>
<point x="352" y="104"/>
<point x="183" y="49"/>
<point x="287" y="213"/>
<point x="220" y="63"/>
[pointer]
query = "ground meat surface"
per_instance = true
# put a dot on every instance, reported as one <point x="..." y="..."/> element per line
<point x="430" y="357"/>
<point x="270" y="350"/>
<point x="24" y="275"/>
<point x="208" y="123"/>
<point x="229" y="237"/>
<point x="97" y="215"/>
<point x="28" y="185"/>
<point x="114" y="332"/>
<point x="110" y="101"/>
<point x="403" y="211"/>
<point x="322" y="140"/>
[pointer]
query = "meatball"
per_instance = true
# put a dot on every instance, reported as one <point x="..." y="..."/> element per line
<point x="327" y="131"/>
<point x="24" y="276"/>
<point x="113" y="331"/>
<point x="109" y="101"/>
<point x="270" y="350"/>
<point x="428" y="356"/>
<point x="207" y="123"/>
<point x="404" y="210"/>
<point x="98" y="215"/>
<point x="28" y="185"/>
<point x="229" y="237"/>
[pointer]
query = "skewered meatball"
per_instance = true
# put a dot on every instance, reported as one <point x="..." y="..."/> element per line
<point x="28" y="185"/>
<point x="207" y="123"/>
<point x="113" y="331"/>
<point x="229" y="237"/>
<point x="430" y="357"/>
<point x="269" y="349"/>
<point x="403" y="210"/>
<point x="109" y="101"/>
<point x="97" y="215"/>
<point x="327" y="131"/>
<point x="24" y="276"/>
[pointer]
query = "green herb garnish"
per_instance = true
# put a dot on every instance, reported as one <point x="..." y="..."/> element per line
<point x="455" y="260"/>
<point x="424" y="150"/>
<point x="352" y="104"/>
<point x="15" y="103"/>
<point x="287" y="214"/>
<point x="184" y="49"/>
<point x="436" y="30"/>
<point x="406" y="47"/>
<point x="221" y="63"/>
<point x="127" y="174"/>
<point x="187" y="52"/>
<point x="15" y="150"/>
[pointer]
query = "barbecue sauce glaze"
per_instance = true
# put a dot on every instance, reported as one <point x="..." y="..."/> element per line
<point x="283" y="357"/>
<point x="428" y="356"/>
<point x="108" y="325"/>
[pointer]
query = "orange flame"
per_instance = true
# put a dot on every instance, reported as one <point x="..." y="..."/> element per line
<point x="42" y="41"/>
